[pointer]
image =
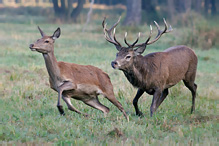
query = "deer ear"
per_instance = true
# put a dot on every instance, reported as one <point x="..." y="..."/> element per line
<point x="119" y="48"/>
<point x="140" y="50"/>
<point x="56" y="33"/>
<point x="41" y="32"/>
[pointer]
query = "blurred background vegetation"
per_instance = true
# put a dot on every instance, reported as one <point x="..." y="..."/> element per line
<point x="197" y="18"/>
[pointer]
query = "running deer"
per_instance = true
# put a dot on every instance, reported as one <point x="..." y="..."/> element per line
<point x="154" y="73"/>
<point x="81" y="82"/>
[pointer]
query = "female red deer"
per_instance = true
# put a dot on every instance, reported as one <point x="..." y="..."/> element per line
<point x="81" y="82"/>
<point x="154" y="73"/>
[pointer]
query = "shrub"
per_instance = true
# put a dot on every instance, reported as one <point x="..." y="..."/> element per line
<point x="198" y="31"/>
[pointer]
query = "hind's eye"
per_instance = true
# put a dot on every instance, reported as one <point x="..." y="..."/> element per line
<point x="46" y="41"/>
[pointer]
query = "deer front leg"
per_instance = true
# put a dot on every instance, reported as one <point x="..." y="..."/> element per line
<point x="135" y="102"/>
<point x="67" y="85"/>
<point x="155" y="101"/>
<point x="59" y="106"/>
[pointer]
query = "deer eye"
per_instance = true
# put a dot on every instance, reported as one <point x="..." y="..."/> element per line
<point x="127" y="57"/>
<point x="46" y="41"/>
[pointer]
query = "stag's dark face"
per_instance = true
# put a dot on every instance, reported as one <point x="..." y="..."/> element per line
<point x="124" y="59"/>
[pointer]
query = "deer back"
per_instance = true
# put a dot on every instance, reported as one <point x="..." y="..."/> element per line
<point x="84" y="74"/>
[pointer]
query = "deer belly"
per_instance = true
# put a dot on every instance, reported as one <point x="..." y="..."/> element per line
<point x="150" y="91"/>
<point x="84" y="92"/>
<point x="172" y="82"/>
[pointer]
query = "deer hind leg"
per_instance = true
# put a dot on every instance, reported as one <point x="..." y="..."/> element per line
<point x="189" y="82"/>
<point x="192" y="87"/>
<point x="135" y="102"/>
<point x="114" y="101"/>
<point x="155" y="101"/>
<point x="163" y="96"/>
<point x="94" y="102"/>
<point x="70" y="106"/>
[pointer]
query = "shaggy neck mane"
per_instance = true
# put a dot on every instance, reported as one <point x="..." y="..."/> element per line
<point x="134" y="73"/>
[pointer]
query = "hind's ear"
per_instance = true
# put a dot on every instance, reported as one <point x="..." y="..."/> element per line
<point x="56" y="33"/>
<point x="41" y="32"/>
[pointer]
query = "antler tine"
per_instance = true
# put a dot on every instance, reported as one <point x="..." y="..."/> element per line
<point x="158" y="28"/>
<point x="110" y="40"/>
<point x="126" y="40"/>
<point x="160" y="32"/>
<point x="107" y="36"/>
<point x="165" y="25"/>
<point x="114" y="36"/>
<point x="145" y="43"/>
<point x="170" y="27"/>
<point x="103" y="23"/>
<point x="115" y="24"/>
<point x="108" y="33"/>
<point x="132" y="45"/>
<point x="136" y="39"/>
<point x="149" y="35"/>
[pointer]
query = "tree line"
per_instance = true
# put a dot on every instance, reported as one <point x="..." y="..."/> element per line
<point x="135" y="8"/>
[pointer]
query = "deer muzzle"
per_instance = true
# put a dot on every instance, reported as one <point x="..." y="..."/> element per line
<point x="114" y="64"/>
<point x="31" y="47"/>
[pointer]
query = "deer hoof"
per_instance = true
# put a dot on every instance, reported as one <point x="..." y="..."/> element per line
<point x="192" y="110"/>
<point x="140" y="114"/>
<point x="61" y="111"/>
<point x="151" y="114"/>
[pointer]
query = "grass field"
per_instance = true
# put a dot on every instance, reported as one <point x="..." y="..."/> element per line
<point x="28" y="112"/>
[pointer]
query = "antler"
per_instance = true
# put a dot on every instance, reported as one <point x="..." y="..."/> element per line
<point x="112" y="38"/>
<point x="158" y="34"/>
<point x="108" y="33"/>
<point x="134" y="42"/>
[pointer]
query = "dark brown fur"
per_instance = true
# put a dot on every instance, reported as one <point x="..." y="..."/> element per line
<point x="154" y="73"/>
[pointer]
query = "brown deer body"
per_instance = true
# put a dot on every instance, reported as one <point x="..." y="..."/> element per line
<point x="81" y="82"/>
<point x="154" y="73"/>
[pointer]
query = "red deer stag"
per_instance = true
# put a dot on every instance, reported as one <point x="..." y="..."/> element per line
<point x="154" y="73"/>
<point x="81" y="82"/>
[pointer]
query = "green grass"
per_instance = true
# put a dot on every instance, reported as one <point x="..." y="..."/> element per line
<point x="28" y="112"/>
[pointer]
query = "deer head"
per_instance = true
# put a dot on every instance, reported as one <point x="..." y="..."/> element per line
<point x="126" y="55"/>
<point x="46" y="43"/>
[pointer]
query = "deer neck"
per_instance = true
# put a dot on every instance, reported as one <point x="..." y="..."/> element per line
<point x="53" y="69"/>
<point x="135" y="72"/>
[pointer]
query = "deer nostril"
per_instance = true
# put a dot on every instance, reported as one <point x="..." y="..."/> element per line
<point x="31" y="45"/>
<point x="113" y="63"/>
